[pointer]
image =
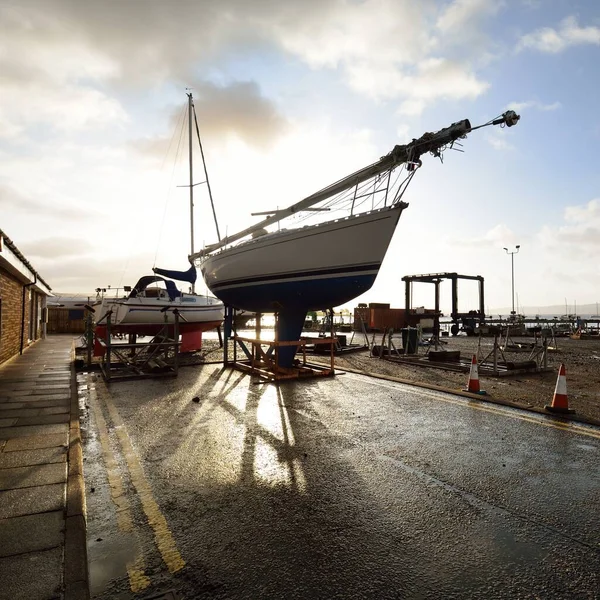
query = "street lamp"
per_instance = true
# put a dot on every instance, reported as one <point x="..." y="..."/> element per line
<point x="512" y="270"/>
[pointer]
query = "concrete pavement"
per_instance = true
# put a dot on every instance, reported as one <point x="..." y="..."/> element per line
<point x="216" y="485"/>
<point x="42" y="501"/>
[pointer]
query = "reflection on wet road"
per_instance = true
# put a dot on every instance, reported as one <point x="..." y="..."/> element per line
<point x="349" y="487"/>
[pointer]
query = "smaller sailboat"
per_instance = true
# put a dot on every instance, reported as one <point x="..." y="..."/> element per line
<point x="154" y="300"/>
<point x="149" y="307"/>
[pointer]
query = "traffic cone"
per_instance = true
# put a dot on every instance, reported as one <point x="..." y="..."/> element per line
<point x="560" y="402"/>
<point x="473" y="385"/>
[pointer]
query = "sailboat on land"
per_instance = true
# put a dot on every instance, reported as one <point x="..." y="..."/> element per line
<point x="149" y="307"/>
<point x="292" y="271"/>
<point x="154" y="300"/>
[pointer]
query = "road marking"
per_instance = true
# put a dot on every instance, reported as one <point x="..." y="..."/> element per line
<point x="138" y="580"/>
<point x="513" y="413"/>
<point x="162" y="535"/>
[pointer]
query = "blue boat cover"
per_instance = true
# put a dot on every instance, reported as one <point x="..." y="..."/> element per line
<point x="145" y="281"/>
<point x="190" y="275"/>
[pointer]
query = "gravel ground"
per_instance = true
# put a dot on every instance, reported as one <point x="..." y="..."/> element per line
<point x="581" y="359"/>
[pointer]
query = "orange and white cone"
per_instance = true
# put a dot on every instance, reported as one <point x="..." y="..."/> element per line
<point x="560" y="402"/>
<point x="473" y="385"/>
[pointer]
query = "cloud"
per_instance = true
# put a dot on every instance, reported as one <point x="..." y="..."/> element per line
<point x="497" y="138"/>
<point x="236" y="109"/>
<point x="73" y="274"/>
<point x="49" y="74"/>
<point x="534" y="104"/>
<point x="579" y="237"/>
<point x="553" y="41"/>
<point x="499" y="143"/>
<point x="588" y="213"/>
<point x="65" y="108"/>
<point x="463" y="14"/>
<point x="95" y="50"/>
<point x="11" y="200"/>
<point x="431" y="80"/>
<point x="52" y="248"/>
<point x="391" y="49"/>
<point x="497" y="237"/>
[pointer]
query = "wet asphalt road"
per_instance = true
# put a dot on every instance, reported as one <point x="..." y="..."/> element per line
<point x="334" y="488"/>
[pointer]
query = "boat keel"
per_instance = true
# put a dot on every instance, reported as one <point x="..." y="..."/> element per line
<point x="288" y="328"/>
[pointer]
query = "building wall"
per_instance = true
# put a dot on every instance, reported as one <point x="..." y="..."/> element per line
<point x="11" y="299"/>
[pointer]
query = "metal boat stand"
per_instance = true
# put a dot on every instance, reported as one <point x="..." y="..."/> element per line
<point x="260" y="357"/>
<point x="536" y="362"/>
<point x="157" y="358"/>
<point x="493" y="364"/>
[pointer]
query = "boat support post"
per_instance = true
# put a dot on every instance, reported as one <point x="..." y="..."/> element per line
<point x="227" y="330"/>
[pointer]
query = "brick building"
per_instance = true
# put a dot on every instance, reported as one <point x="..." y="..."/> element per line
<point x="23" y="296"/>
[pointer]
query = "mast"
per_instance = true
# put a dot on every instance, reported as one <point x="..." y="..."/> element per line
<point x="190" y="106"/>
<point x="409" y="153"/>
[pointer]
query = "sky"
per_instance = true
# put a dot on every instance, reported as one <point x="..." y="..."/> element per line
<point x="292" y="95"/>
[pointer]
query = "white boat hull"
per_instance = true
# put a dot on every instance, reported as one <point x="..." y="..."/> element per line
<point x="310" y="268"/>
<point x="197" y="313"/>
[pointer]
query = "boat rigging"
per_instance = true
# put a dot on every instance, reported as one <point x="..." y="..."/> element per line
<point x="409" y="154"/>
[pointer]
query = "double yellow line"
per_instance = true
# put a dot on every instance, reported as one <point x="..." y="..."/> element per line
<point x="164" y="540"/>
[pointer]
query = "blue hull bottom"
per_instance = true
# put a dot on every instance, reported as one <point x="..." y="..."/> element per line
<point x="292" y="300"/>
<point x="312" y="294"/>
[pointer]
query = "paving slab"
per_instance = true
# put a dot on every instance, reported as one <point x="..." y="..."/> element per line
<point x="33" y="378"/>
<point x="32" y="475"/>
<point x="31" y="533"/>
<point x="43" y="419"/>
<point x="24" y="458"/>
<point x="33" y="412"/>
<point x="5" y="404"/>
<point x="9" y="433"/>
<point x="32" y="500"/>
<point x="35" y="575"/>
<point x="35" y="403"/>
<point x="37" y="441"/>
<point x="7" y="422"/>
<point x="20" y="395"/>
<point x="31" y="388"/>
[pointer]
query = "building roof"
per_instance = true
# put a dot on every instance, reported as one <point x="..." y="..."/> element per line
<point x="10" y="244"/>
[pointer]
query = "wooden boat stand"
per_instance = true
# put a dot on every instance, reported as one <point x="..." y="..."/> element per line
<point x="261" y="357"/>
<point x="157" y="358"/>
